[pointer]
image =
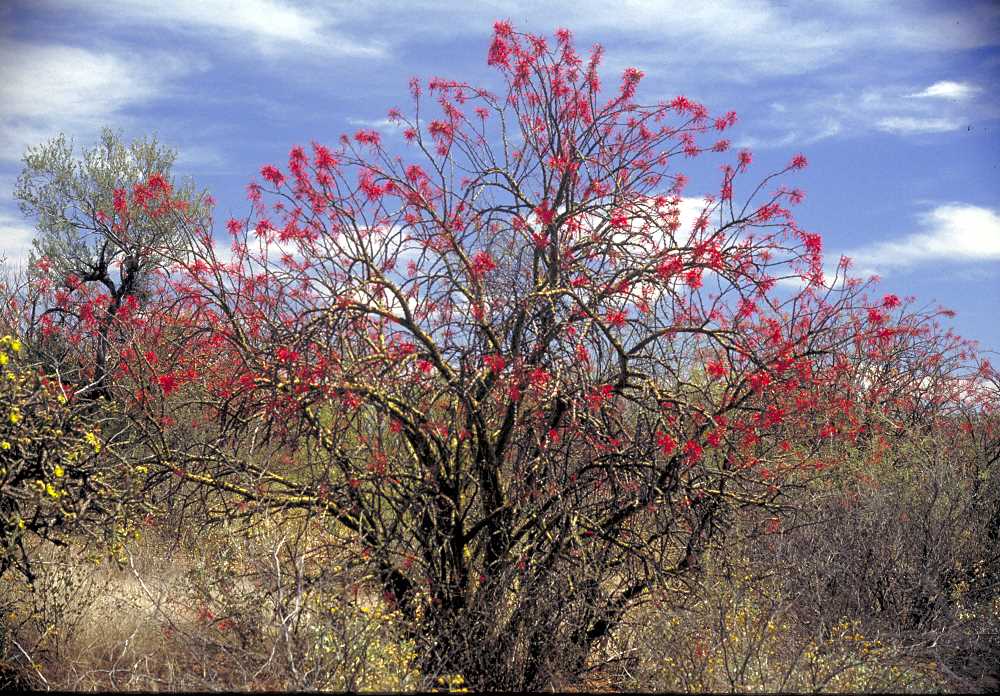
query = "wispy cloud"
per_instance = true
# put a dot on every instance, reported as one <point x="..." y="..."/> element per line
<point x="380" y="124"/>
<point x="908" y="125"/>
<point x="895" y="109"/>
<point x="947" y="89"/>
<point x="46" y="88"/>
<point x="271" y="26"/>
<point x="955" y="232"/>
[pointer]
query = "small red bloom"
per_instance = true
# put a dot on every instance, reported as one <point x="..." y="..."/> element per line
<point x="272" y="174"/>
<point x="495" y="363"/>
<point x="666" y="443"/>
<point x="544" y="213"/>
<point x="715" y="368"/>
<point x="759" y="381"/>
<point x="693" y="278"/>
<point x="120" y="202"/>
<point x="287" y="355"/>
<point x="693" y="451"/>
<point x="746" y="157"/>
<point x="368" y="137"/>
<point x="539" y="378"/>
<point x="482" y="263"/>
<point x="168" y="383"/>
<point x="875" y="316"/>
<point x="616" y="318"/>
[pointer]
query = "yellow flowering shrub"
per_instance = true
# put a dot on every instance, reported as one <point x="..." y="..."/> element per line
<point x="50" y="478"/>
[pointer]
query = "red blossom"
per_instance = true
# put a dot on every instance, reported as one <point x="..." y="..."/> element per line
<point x="168" y="383"/>
<point x="287" y="355"/>
<point x="539" y="378"/>
<point x="715" y="369"/>
<point x="666" y="443"/>
<point x="272" y="174"/>
<point x="494" y="362"/>
<point x="726" y="121"/>
<point x="759" y="381"/>
<point x="598" y="395"/>
<point x="890" y="301"/>
<point x="368" y="137"/>
<point x="669" y="268"/>
<point x="693" y="451"/>
<point x="693" y="278"/>
<point x="616" y="318"/>
<point x="745" y="158"/>
<point x="630" y="81"/>
<point x="120" y="202"/>
<point x="482" y="263"/>
<point x="544" y="213"/>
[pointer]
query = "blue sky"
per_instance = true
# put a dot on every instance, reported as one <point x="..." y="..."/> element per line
<point x="894" y="103"/>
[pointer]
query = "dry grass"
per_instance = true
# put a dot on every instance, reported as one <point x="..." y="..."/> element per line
<point x="238" y="614"/>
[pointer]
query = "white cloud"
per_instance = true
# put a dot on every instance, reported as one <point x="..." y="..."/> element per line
<point x="771" y="37"/>
<point x="946" y="89"/>
<point x="77" y="82"/>
<point x="269" y="25"/>
<point x="952" y="232"/>
<point x="909" y="125"/>
<point x="47" y="88"/>
<point x="15" y="239"/>
<point x="819" y="129"/>
<point x="818" y="115"/>
<point x="379" y="124"/>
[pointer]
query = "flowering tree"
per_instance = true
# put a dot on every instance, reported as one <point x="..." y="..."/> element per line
<point x="519" y="369"/>
<point x="101" y="220"/>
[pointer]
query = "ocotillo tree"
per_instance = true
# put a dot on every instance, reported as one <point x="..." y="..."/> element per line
<point x="511" y="365"/>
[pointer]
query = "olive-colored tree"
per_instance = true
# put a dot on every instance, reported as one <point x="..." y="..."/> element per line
<point x="100" y="225"/>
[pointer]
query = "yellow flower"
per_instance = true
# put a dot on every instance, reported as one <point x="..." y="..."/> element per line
<point x="58" y="471"/>
<point x="61" y="399"/>
<point x="51" y="490"/>
<point x="15" y="416"/>
<point x="4" y="445"/>
<point x="15" y="345"/>
<point x="92" y="440"/>
<point x="3" y="359"/>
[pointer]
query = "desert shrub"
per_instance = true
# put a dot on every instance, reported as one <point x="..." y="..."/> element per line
<point x="739" y="631"/>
